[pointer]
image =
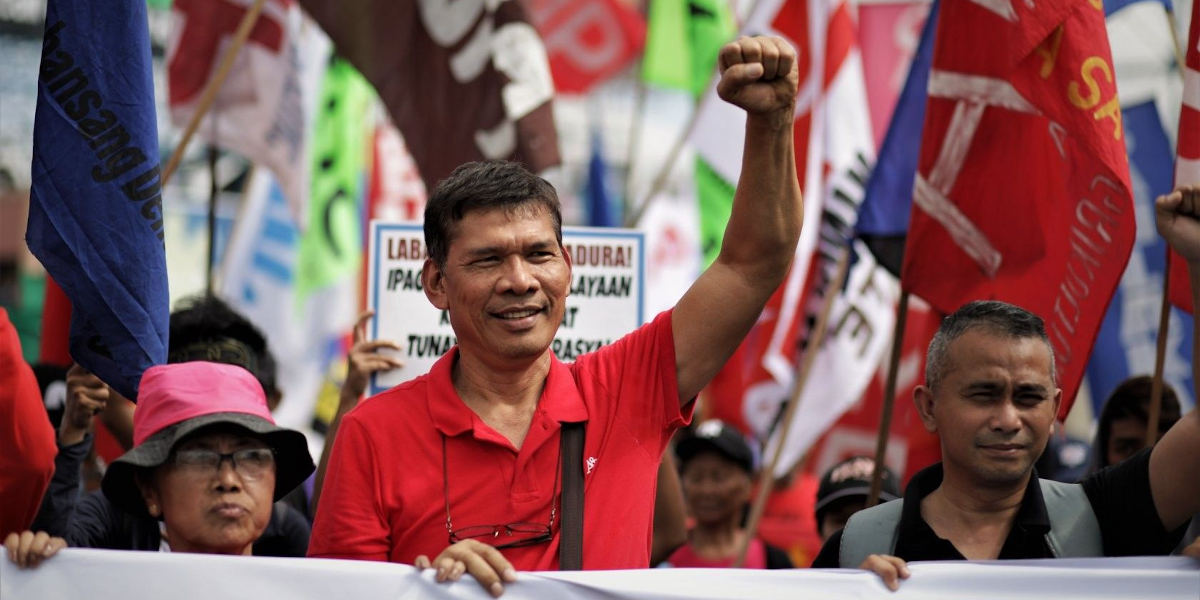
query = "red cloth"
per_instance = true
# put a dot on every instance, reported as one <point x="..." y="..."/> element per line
<point x="27" y="461"/>
<point x="383" y="497"/>
<point x="789" y="521"/>
<point x="56" y="326"/>
<point x="685" y="557"/>
<point x="1023" y="187"/>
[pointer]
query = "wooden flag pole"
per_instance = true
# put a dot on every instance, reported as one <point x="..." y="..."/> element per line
<point x="214" y="189"/>
<point x="1164" y="312"/>
<point x="635" y="137"/>
<point x="1171" y="23"/>
<point x="889" y="398"/>
<point x="214" y="85"/>
<point x="660" y="180"/>
<point x="767" y="476"/>
<point x="1160" y="355"/>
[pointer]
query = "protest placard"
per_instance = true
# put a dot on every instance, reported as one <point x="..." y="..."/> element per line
<point x="604" y="303"/>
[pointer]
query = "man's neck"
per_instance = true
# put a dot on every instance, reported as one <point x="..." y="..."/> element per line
<point x="504" y="396"/>
<point x="975" y="518"/>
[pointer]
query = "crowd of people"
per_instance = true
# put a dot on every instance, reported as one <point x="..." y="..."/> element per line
<point x="503" y="458"/>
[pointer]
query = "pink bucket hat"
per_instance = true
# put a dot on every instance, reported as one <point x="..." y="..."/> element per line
<point x="175" y="400"/>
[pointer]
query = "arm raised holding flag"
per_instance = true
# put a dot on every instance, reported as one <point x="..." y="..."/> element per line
<point x="1178" y="498"/>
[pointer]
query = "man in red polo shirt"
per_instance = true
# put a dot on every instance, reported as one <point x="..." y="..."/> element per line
<point x="462" y="463"/>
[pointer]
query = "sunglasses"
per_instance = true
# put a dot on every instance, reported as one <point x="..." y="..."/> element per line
<point x="506" y="535"/>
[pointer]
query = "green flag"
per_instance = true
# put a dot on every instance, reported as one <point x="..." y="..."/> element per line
<point x="331" y="248"/>
<point x="683" y="40"/>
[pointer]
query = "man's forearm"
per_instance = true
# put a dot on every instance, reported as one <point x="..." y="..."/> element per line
<point x="767" y="209"/>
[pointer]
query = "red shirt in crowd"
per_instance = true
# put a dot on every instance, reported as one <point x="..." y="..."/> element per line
<point x="385" y="495"/>
<point x="28" y="440"/>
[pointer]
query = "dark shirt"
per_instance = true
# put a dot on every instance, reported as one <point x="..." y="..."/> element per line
<point x="1120" y="497"/>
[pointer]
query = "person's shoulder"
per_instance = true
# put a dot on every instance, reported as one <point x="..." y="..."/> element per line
<point x="392" y="401"/>
<point x="829" y="556"/>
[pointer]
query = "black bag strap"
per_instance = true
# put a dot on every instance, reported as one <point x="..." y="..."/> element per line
<point x="570" y="549"/>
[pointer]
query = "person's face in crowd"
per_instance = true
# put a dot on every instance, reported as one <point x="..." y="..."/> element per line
<point x="715" y="488"/>
<point x="994" y="407"/>
<point x="1126" y="436"/>
<point x="834" y="518"/>
<point x="220" y="510"/>
<point x="505" y="282"/>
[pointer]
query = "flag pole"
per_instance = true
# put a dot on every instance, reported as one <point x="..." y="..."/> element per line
<point x="660" y="180"/>
<point x="767" y="476"/>
<point x="1171" y="24"/>
<point x="213" y="190"/>
<point x="1160" y="354"/>
<point x="1164" y="312"/>
<point x="635" y="129"/>
<point x="214" y="85"/>
<point x="889" y="398"/>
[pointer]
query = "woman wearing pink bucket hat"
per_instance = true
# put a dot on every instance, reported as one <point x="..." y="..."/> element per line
<point x="208" y="461"/>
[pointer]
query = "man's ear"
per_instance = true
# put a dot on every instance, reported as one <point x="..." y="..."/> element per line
<point x="923" y="399"/>
<point x="570" y="267"/>
<point x="434" y="282"/>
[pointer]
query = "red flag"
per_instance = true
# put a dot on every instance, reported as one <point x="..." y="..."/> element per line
<point x="587" y="41"/>
<point x="1187" y="159"/>
<point x="463" y="80"/>
<point x="1022" y="193"/>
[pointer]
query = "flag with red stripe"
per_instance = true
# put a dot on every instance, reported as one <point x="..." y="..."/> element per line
<point x="1187" y="159"/>
<point x="1023" y="191"/>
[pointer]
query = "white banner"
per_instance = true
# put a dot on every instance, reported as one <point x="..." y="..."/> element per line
<point x="605" y="302"/>
<point x="123" y="575"/>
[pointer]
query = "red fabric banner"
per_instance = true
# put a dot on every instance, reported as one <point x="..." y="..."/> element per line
<point x="1022" y="193"/>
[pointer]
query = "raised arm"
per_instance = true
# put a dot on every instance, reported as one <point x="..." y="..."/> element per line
<point x="760" y="76"/>
<point x="1176" y="496"/>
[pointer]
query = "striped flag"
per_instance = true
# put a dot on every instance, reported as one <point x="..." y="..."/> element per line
<point x="1187" y="159"/>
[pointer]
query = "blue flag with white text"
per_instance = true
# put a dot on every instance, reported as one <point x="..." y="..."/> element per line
<point x="95" y="214"/>
<point x="1125" y="345"/>
<point x="883" y="217"/>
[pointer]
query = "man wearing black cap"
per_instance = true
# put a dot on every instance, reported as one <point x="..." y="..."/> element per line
<point x="844" y="490"/>
<point x="716" y="466"/>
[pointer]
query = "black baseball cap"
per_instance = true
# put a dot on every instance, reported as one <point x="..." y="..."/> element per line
<point x="852" y="478"/>
<point x="716" y="436"/>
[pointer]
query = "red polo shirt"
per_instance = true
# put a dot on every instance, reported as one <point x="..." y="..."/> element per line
<point x="384" y="499"/>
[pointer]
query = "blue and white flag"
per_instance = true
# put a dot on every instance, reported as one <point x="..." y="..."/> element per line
<point x="95" y="214"/>
<point x="1125" y="345"/>
<point x="883" y="216"/>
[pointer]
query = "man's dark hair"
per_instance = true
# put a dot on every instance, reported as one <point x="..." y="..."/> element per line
<point x="206" y="328"/>
<point x="995" y="317"/>
<point x="1132" y="399"/>
<point x="484" y="185"/>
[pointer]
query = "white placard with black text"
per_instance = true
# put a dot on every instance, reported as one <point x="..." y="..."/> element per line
<point x="605" y="300"/>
